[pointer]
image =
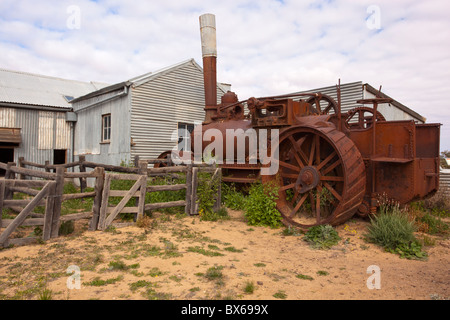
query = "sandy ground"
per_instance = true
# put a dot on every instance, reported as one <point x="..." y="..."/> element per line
<point x="159" y="264"/>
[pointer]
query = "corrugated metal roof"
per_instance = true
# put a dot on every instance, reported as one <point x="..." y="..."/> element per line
<point x="40" y="90"/>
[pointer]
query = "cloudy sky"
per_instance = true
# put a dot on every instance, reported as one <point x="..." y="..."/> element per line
<point x="265" y="47"/>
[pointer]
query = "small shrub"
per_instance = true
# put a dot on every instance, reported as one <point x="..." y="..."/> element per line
<point x="260" y="208"/>
<point x="211" y="215"/>
<point x="394" y="231"/>
<point x="439" y="203"/>
<point x="280" y="295"/>
<point x="249" y="287"/>
<point x="390" y="229"/>
<point x="214" y="273"/>
<point x="46" y="294"/>
<point x="232" y="198"/>
<point x="206" y="196"/>
<point x="433" y="224"/>
<point x="139" y="284"/>
<point x="304" y="277"/>
<point x="117" y="265"/>
<point x="291" y="231"/>
<point x="144" y="221"/>
<point x="322" y="237"/>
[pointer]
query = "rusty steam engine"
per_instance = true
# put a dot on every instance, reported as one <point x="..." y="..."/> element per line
<point x="331" y="165"/>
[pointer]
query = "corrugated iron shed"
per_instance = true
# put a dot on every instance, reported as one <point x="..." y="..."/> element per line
<point x="145" y="111"/>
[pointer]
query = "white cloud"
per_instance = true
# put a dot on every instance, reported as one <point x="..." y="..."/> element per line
<point x="264" y="47"/>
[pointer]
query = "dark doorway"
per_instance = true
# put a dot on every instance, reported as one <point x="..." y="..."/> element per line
<point x="6" y="155"/>
<point x="59" y="156"/>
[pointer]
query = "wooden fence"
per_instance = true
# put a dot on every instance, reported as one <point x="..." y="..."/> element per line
<point x="102" y="215"/>
<point x="52" y="199"/>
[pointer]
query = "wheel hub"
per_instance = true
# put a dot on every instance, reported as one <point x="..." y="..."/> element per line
<point x="308" y="179"/>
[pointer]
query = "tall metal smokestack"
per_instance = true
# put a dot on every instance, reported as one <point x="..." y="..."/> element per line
<point x="209" y="54"/>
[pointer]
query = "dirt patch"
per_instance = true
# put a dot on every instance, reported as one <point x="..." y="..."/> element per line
<point x="185" y="258"/>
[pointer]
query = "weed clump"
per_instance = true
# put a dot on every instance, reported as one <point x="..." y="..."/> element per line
<point x="322" y="237"/>
<point x="394" y="231"/>
<point x="260" y="206"/>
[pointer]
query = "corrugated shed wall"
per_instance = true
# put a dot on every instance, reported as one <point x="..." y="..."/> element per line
<point x="444" y="181"/>
<point x="158" y="105"/>
<point x="41" y="131"/>
<point x="350" y="93"/>
<point x="7" y="117"/>
<point x="45" y="130"/>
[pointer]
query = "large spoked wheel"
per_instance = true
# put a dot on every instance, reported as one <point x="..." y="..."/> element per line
<point x="362" y="118"/>
<point x="321" y="177"/>
<point x="323" y="104"/>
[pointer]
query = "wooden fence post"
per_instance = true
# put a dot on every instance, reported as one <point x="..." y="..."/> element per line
<point x="99" y="180"/>
<point x="82" y="159"/>
<point x="59" y="189"/>
<point x="136" y="161"/>
<point x="2" y="196"/>
<point x="9" y="175"/>
<point x="48" y="217"/>
<point x="21" y="165"/>
<point x="188" y="209"/>
<point x="140" y="202"/>
<point x="104" y="203"/>
<point x="47" y="163"/>
<point x="194" y="205"/>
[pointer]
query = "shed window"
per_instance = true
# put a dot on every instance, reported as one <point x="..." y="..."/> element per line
<point x="184" y="136"/>
<point x="106" y="127"/>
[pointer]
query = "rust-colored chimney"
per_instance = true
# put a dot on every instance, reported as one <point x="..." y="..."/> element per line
<point x="209" y="54"/>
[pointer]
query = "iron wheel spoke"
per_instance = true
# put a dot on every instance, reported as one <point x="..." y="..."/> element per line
<point x="299" y="204"/>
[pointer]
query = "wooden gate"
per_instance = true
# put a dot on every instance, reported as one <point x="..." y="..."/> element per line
<point x="138" y="190"/>
<point x="47" y="191"/>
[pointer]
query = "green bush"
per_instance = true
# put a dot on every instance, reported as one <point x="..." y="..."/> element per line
<point x="260" y="206"/>
<point x="322" y="237"/>
<point x="394" y="231"/>
<point x="232" y="198"/>
<point x="390" y="229"/>
<point x="206" y="196"/>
